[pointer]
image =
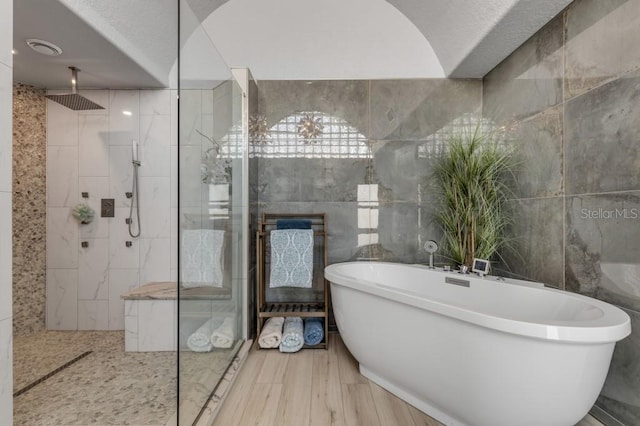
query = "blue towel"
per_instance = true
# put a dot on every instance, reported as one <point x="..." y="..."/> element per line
<point x="313" y="331"/>
<point x="292" y="335"/>
<point x="293" y="224"/>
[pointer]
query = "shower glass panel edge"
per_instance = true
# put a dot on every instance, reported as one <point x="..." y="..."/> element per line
<point x="212" y="224"/>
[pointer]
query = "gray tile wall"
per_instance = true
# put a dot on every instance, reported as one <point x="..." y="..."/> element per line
<point x="570" y="95"/>
<point x="395" y="116"/>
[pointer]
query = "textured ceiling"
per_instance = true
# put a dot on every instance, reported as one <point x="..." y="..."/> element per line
<point x="124" y="43"/>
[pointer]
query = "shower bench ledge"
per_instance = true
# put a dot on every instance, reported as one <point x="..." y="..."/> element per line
<point x="150" y="313"/>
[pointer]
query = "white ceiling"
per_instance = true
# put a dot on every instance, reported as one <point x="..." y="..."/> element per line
<point x="133" y="44"/>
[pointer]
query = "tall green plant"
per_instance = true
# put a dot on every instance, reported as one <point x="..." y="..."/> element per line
<point x="473" y="175"/>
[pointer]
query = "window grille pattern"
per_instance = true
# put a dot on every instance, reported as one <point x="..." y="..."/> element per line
<point x="338" y="139"/>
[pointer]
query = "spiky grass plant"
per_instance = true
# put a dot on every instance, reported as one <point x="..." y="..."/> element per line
<point x="473" y="174"/>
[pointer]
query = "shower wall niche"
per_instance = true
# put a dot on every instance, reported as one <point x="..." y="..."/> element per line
<point x="90" y="152"/>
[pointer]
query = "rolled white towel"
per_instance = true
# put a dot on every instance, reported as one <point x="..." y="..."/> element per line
<point x="223" y="336"/>
<point x="200" y="340"/>
<point x="292" y="335"/>
<point x="271" y="333"/>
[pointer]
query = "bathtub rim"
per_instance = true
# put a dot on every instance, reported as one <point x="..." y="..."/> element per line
<point x="612" y="326"/>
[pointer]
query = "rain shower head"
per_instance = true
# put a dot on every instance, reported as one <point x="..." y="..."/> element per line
<point x="73" y="100"/>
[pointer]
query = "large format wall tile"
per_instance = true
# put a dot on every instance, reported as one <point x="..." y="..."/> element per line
<point x="603" y="249"/>
<point x="399" y="170"/>
<point x="415" y="109"/>
<point x="93" y="315"/>
<point x="62" y="239"/>
<point x="155" y="207"/>
<point x="6" y="253"/>
<point x="6" y="370"/>
<point x="529" y="80"/>
<point x="97" y="188"/>
<point x="6" y="341"/>
<point x="93" y="147"/>
<point x="62" y="299"/>
<point x="398" y="231"/>
<point x="601" y="138"/>
<point x="62" y="176"/>
<point x="155" y="140"/>
<point x="537" y="240"/>
<point x="539" y="155"/>
<point x="124" y="117"/>
<point x="301" y="179"/>
<point x="601" y="43"/>
<point x="344" y="99"/>
<point x="5" y="128"/>
<point x="620" y="395"/>
<point x="93" y="270"/>
<point x="120" y="282"/>
<point x="62" y="125"/>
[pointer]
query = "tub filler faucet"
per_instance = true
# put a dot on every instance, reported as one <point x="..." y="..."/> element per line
<point x="431" y="247"/>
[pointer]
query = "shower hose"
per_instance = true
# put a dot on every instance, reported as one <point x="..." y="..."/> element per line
<point x="134" y="200"/>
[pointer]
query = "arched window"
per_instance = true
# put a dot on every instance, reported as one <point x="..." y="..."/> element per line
<point x="307" y="134"/>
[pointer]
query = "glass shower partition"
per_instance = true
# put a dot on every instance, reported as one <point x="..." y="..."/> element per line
<point x="212" y="217"/>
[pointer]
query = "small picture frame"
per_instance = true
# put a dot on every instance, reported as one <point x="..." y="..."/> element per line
<point x="480" y="266"/>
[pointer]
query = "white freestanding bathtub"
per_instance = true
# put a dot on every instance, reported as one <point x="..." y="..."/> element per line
<point x="476" y="351"/>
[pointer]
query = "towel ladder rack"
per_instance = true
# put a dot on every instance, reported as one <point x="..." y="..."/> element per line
<point x="304" y="303"/>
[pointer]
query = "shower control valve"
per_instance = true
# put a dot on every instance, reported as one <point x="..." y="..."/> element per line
<point x="128" y="243"/>
<point x="128" y="194"/>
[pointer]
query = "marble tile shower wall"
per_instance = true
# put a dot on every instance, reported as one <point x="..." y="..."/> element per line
<point x="29" y="208"/>
<point x="570" y="94"/>
<point x="90" y="151"/>
<point x="6" y="316"/>
<point x="376" y="204"/>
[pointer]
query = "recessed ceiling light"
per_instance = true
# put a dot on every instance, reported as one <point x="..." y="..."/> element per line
<point x="127" y="113"/>
<point x="44" y="47"/>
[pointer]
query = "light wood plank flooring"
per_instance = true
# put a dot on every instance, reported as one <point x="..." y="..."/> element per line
<point x="312" y="387"/>
<point x="316" y="387"/>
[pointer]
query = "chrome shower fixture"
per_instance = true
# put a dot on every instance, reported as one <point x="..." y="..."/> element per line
<point x="73" y="100"/>
<point x="133" y="195"/>
<point x="431" y="247"/>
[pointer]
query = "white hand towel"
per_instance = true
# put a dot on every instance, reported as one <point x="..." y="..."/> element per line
<point x="223" y="336"/>
<point x="271" y="333"/>
<point x="292" y="335"/>
<point x="200" y="340"/>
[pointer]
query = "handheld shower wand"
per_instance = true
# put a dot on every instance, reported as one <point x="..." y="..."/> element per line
<point x="431" y="247"/>
<point x="135" y="199"/>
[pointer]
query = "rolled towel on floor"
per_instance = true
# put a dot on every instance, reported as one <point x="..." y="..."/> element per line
<point x="200" y="340"/>
<point x="313" y="331"/>
<point x="223" y="336"/>
<point x="271" y="334"/>
<point x="292" y="335"/>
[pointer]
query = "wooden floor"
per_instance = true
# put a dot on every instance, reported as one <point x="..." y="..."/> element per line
<point x="312" y="387"/>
